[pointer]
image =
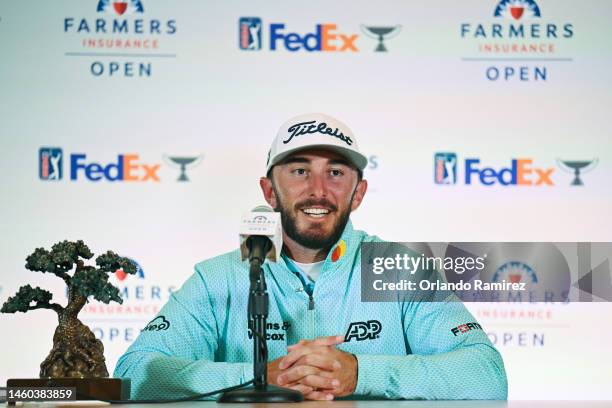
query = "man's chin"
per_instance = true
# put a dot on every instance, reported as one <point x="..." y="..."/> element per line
<point x="314" y="241"/>
<point x="316" y="228"/>
<point x="314" y="232"/>
<point x="314" y="235"/>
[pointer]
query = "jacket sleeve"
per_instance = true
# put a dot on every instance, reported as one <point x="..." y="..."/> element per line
<point x="443" y="364"/>
<point x="174" y="356"/>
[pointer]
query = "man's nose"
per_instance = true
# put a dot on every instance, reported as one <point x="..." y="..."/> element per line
<point x="317" y="185"/>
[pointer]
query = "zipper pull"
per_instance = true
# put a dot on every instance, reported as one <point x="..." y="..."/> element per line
<point x="310" y="303"/>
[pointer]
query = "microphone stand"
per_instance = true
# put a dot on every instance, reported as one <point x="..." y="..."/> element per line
<point x="258" y="304"/>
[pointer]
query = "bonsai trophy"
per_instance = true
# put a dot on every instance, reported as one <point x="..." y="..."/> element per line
<point x="77" y="357"/>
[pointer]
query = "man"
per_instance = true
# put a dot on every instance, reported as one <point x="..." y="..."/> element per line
<point x="317" y="324"/>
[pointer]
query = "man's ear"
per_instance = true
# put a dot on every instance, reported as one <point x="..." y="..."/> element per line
<point x="360" y="190"/>
<point x="268" y="191"/>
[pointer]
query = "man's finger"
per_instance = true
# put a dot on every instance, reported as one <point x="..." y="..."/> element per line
<point x="319" y="341"/>
<point x="293" y="356"/>
<point x="322" y="361"/>
<point x="297" y="352"/>
<point x="316" y="381"/>
<point x="296" y="374"/>
<point x="299" y="343"/>
<point x="304" y="389"/>
<point x="319" y="396"/>
<point x="328" y="341"/>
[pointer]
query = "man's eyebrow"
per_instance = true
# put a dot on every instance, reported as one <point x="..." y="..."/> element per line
<point x="295" y="159"/>
<point x="340" y="161"/>
<point x="300" y="159"/>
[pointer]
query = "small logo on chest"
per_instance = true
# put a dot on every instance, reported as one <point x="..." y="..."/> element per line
<point x="360" y="331"/>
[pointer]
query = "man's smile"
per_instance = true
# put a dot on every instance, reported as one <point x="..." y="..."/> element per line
<point x="315" y="212"/>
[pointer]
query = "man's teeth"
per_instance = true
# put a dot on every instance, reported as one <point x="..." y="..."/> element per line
<point x="316" y="212"/>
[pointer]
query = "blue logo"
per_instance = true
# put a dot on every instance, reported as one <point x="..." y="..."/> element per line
<point x="50" y="163"/>
<point x="517" y="9"/>
<point x="120" y="7"/>
<point x="515" y="272"/>
<point x="250" y="33"/>
<point x="521" y="172"/>
<point x="121" y="275"/>
<point x="324" y="38"/>
<point x="126" y="168"/>
<point x="517" y="46"/>
<point x="445" y="168"/>
<point x="121" y="40"/>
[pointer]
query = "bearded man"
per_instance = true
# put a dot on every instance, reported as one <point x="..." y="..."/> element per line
<point x="314" y="178"/>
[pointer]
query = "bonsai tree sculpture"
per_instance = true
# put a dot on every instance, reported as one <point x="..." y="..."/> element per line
<point x="76" y="352"/>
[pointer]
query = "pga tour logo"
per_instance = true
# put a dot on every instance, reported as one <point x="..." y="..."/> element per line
<point x="249" y="33"/>
<point x="445" y="168"/>
<point x="50" y="163"/>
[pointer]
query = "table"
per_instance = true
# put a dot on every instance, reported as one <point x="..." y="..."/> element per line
<point x="344" y="404"/>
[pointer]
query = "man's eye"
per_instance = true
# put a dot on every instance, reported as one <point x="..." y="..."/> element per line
<point x="299" y="172"/>
<point x="336" y="172"/>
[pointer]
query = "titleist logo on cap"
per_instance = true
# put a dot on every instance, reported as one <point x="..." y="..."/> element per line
<point x="312" y="127"/>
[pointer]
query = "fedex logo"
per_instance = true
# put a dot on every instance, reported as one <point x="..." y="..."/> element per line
<point x="126" y="168"/>
<point x="520" y="173"/>
<point x="324" y="38"/>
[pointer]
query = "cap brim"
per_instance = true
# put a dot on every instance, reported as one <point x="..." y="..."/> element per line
<point x="355" y="158"/>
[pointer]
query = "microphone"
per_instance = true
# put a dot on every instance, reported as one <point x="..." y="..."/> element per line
<point x="261" y="238"/>
<point x="261" y="235"/>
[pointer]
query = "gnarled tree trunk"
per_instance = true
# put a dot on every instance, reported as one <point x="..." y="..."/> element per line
<point x="76" y="352"/>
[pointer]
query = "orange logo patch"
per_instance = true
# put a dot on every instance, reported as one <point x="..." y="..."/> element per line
<point x="339" y="251"/>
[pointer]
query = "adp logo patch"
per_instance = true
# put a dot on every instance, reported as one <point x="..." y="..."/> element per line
<point x="360" y="331"/>
<point x="50" y="163"/>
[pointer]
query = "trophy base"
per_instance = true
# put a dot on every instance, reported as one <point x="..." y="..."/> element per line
<point x="86" y="388"/>
<point x="270" y="393"/>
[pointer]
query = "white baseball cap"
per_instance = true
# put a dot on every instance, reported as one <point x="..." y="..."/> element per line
<point x="315" y="130"/>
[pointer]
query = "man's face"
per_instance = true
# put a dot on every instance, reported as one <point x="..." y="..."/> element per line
<point x="315" y="191"/>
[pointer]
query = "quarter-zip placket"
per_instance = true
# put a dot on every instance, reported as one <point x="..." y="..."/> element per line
<point x="308" y="290"/>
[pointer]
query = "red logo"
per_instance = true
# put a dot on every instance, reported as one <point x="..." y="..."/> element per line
<point x="120" y="7"/>
<point x="517" y="12"/>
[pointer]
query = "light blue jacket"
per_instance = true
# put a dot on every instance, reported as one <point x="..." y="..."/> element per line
<point x="199" y="342"/>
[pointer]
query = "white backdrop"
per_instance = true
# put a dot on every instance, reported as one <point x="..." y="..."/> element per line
<point x="195" y="92"/>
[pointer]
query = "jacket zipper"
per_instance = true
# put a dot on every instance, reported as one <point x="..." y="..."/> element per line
<point x="311" y="317"/>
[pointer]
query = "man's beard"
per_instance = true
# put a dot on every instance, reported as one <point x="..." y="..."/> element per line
<point x="314" y="239"/>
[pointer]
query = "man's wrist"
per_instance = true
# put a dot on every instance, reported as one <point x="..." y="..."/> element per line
<point x="356" y="376"/>
<point x="372" y="370"/>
